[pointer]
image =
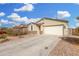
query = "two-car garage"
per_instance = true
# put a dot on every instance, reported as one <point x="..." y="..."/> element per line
<point x="54" y="30"/>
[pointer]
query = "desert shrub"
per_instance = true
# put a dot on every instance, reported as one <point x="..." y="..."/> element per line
<point x="10" y="32"/>
<point x="15" y="32"/>
<point x="3" y="36"/>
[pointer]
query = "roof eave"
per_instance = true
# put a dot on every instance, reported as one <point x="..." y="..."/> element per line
<point x="54" y="19"/>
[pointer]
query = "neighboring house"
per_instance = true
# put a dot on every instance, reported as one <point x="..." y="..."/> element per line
<point x="21" y="29"/>
<point x="31" y="28"/>
<point x="50" y="26"/>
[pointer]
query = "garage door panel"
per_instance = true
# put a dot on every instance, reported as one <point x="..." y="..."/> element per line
<point x="54" y="30"/>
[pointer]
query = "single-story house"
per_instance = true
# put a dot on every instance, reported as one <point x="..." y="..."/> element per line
<point x="50" y="26"/>
<point x="21" y="29"/>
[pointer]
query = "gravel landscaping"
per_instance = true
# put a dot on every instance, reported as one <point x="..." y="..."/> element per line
<point x="66" y="47"/>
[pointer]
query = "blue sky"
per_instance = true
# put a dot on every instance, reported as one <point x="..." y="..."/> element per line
<point x="15" y="13"/>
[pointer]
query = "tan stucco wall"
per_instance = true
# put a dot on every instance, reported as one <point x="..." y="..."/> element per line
<point x="52" y="22"/>
<point x="35" y="28"/>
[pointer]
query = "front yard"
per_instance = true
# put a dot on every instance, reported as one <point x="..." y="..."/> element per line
<point x="66" y="47"/>
<point x="4" y="37"/>
<point x="8" y="34"/>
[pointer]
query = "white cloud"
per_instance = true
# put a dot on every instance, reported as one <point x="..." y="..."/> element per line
<point x="4" y="21"/>
<point x="15" y="24"/>
<point x="63" y="14"/>
<point x="2" y="14"/>
<point x="22" y="19"/>
<point x="34" y="19"/>
<point x="26" y="7"/>
<point x="14" y="16"/>
<point x="17" y="18"/>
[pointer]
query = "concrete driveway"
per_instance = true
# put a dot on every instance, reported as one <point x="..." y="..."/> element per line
<point x="35" y="46"/>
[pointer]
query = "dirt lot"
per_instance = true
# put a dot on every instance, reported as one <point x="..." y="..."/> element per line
<point x="66" y="47"/>
<point x="19" y="37"/>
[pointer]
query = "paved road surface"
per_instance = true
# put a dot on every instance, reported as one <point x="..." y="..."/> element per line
<point x="35" y="46"/>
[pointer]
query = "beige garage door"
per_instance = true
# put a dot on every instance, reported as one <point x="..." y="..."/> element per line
<point x="54" y="30"/>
